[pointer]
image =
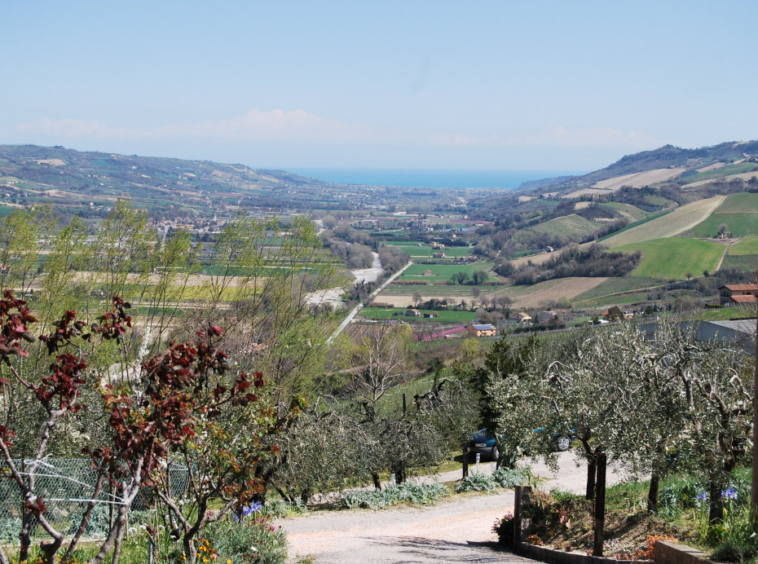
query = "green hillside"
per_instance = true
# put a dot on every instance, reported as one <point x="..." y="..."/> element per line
<point x="572" y="226"/>
<point x="748" y="246"/>
<point x="674" y="258"/>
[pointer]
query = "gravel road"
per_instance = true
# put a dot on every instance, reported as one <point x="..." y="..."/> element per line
<point x="458" y="529"/>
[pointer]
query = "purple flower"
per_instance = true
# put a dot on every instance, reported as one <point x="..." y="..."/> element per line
<point x="730" y="494"/>
<point x="702" y="497"/>
<point x="252" y="508"/>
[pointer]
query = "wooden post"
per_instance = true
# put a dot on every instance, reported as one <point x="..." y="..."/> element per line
<point x="599" y="506"/>
<point x="404" y="405"/>
<point x="465" y="460"/>
<point x="523" y="497"/>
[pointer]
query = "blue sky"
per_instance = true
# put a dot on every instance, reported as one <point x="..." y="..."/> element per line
<point x="530" y="85"/>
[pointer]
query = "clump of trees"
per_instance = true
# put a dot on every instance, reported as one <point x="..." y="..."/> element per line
<point x="593" y="261"/>
<point x="670" y="403"/>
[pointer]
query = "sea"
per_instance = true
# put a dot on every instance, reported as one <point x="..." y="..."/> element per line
<point x="429" y="178"/>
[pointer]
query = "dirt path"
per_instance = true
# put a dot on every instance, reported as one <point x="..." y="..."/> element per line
<point x="458" y="529"/>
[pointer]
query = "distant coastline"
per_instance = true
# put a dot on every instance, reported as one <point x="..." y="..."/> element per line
<point x="429" y="178"/>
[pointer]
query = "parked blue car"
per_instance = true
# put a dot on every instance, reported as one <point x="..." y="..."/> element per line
<point x="483" y="442"/>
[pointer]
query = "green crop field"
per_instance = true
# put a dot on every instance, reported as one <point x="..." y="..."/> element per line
<point x="414" y="251"/>
<point x="673" y="258"/>
<point x="745" y="202"/>
<point x="443" y="271"/>
<point x="571" y="226"/>
<point x="678" y="221"/>
<point x="721" y="172"/>
<point x="747" y="263"/>
<point x="629" y="210"/>
<point x="614" y="286"/>
<point x="748" y="246"/>
<point x="739" y="224"/>
<point x="444" y="316"/>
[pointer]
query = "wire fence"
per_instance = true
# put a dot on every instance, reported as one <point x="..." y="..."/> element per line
<point x="67" y="485"/>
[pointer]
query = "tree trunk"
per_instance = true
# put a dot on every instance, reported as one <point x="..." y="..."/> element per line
<point x="591" y="471"/>
<point x="716" y="510"/>
<point x="652" y="494"/>
<point x="377" y="482"/>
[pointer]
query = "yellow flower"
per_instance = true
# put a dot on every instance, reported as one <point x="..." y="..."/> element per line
<point x="228" y="561"/>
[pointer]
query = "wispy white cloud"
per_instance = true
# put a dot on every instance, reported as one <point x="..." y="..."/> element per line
<point x="301" y="127"/>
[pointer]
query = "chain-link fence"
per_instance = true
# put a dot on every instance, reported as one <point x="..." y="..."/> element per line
<point x="67" y="485"/>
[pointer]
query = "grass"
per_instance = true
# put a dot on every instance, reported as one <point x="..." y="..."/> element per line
<point x="444" y="315"/>
<point x="748" y="246"/>
<point x="571" y="226"/>
<point x="673" y="258"/>
<point x="739" y="224"/>
<point x="726" y="313"/>
<point x="442" y="271"/>
<point x="745" y="202"/>
<point x="614" y="286"/>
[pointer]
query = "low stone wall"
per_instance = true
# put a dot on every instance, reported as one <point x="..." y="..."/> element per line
<point x="667" y="552"/>
<point x="552" y="556"/>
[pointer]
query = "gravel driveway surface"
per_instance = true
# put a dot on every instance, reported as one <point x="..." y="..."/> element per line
<point x="458" y="529"/>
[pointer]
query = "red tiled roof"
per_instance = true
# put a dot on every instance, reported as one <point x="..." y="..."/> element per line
<point x="744" y="299"/>
<point x="741" y="287"/>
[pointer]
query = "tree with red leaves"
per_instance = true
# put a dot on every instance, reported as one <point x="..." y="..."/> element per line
<point x="184" y="404"/>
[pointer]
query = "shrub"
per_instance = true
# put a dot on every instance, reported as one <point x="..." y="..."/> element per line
<point x="503" y="528"/>
<point x="407" y="492"/>
<point x="249" y="540"/>
<point x="476" y="482"/>
<point x="510" y="477"/>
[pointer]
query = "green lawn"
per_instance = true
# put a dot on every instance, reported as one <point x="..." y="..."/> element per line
<point x="748" y="246"/>
<point x="442" y="271"/>
<point x="673" y="258"/>
<point x="444" y="316"/>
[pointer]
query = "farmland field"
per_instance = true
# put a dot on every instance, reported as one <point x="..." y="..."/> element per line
<point x="673" y="258"/>
<point x="613" y="286"/>
<point x="443" y="271"/>
<point x="745" y="202"/>
<point x="680" y="220"/>
<point x="571" y="226"/>
<point x="748" y="246"/>
<point x="444" y="316"/>
<point x="635" y="180"/>
<point x="720" y="172"/>
<point x="414" y="251"/>
<point x="747" y="263"/>
<point x="633" y="213"/>
<point x="739" y="224"/>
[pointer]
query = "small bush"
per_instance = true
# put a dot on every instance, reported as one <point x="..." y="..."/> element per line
<point x="253" y="539"/>
<point x="417" y="494"/>
<point x="278" y="508"/>
<point x="503" y="528"/>
<point x="476" y="482"/>
<point x="511" y="477"/>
